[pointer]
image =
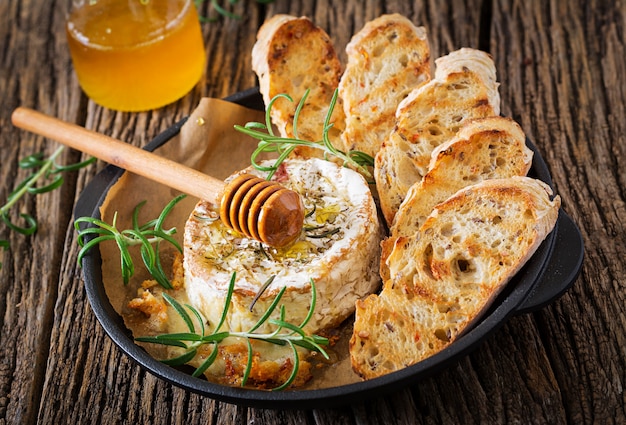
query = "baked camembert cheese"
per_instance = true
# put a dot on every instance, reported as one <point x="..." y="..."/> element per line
<point x="338" y="249"/>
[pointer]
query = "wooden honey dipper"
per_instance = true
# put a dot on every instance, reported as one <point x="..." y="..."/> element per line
<point x="260" y="209"/>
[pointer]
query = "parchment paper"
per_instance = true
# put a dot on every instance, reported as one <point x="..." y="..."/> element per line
<point x="207" y="142"/>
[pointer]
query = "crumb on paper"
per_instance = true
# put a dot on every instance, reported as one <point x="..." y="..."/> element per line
<point x="178" y="272"/>
<point x="146" y="303"/>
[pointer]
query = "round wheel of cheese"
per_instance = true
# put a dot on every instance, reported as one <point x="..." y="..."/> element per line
<point x="338" y="250"/>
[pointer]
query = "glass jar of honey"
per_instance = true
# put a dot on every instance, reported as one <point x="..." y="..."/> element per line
<point x="136" y="55"/>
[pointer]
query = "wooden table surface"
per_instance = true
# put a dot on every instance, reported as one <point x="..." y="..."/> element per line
<point x="561" y="65"/>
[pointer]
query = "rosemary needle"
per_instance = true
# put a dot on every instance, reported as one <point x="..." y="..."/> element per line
<point x="261" y="290"/>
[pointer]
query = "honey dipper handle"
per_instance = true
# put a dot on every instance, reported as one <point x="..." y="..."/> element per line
<point x="123" y="155"/>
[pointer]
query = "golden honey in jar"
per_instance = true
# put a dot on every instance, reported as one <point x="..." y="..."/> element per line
<point x="136" y="55"/>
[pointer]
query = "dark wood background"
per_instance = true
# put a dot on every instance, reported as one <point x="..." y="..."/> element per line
<point x="561" y="65"/>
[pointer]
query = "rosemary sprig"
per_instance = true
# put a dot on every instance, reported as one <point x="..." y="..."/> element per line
<point x="284" y="334"/>
<point x="221" y="10"/>
<point x="145" y="235"/>
<point x="47" y="175"/>
<point x="283" y="146"/>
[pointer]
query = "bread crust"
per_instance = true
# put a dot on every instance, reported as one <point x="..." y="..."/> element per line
<point x="464" y="88"/>
<point x="387" y="59"/>
<point x="484" y="148"/>
<point x="443" y="278"/>
<point x="292" y="55"/>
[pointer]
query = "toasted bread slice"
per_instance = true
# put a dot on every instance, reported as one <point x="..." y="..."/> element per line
<point x="464" y="88"/>
<point x="292" y="55"/>
<point x="484" y="148"/>
<point x="387" y="59"/>
<point x="446" y="275"/>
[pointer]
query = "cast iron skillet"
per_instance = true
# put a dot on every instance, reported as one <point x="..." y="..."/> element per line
<point x="549" y="273"/>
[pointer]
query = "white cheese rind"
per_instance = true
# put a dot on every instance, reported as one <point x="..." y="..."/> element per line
<point x="343" y="265"/>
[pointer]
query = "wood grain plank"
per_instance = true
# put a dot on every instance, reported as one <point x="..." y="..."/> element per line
<point x="561" y="84"/>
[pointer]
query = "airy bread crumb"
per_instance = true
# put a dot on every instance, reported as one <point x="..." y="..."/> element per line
<point x="444" y="277"/>
<point x="464" y="88"/>
<point x="387" y="59"/>
<point x="484" y="148"/>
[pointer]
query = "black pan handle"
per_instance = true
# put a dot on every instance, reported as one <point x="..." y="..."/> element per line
<point x="563" y="267"/>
